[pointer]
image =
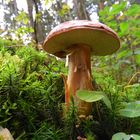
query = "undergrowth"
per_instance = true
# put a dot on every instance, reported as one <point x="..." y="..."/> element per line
<point x="32" y="94"/>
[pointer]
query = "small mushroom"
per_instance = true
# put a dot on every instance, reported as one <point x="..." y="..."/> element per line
<point x="79" y="39"/>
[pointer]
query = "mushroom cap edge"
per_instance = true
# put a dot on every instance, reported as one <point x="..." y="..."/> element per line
<point x="101" y="39"/>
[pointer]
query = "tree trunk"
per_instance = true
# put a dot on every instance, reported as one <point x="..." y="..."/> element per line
<point x="13" y="11"/>
<point x="135" y="1"/>
<point x="101" y="5"/>
<point x="80" y="9"/>
<point x="36" y="24"/>
<point x="31" y="20"/>
<point x="15" y="7"/>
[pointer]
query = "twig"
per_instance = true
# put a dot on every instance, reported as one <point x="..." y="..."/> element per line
<point x="128" y="84"/>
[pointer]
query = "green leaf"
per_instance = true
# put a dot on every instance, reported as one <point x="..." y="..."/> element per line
<point x="137" y="58"/>
<point x="121" y="136"/>
<point x="93" y="96"/>
<point x="134" y="85"/>
<point x="131" y="110"/>
<point x="124" y="54"/>
<point x="64" y="10"/>
<point x="89" y="96"/>
<point x="133" y="10"/>
<point x="137" y="51"/>
<point x="6" y="120"/>
<point x="135" y="137"/>
<point x="107" y="101"/>
<point x="22" y="16"/>
<point x="137" y="32"/>
<point x="116" y="8"/>
<point x="124" y="26"/>
<point x="104" y="12"/>
<point x="112" y="24"/>
<point x="48" y="1"/>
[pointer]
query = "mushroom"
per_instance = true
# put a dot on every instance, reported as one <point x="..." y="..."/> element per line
<point x="79" y="39"/>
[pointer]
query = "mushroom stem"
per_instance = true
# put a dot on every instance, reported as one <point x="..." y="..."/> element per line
<point x="79" y="77"/>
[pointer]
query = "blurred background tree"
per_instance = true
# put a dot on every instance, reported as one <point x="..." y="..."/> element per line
<point x="37" y="17"/>
<point x="31" y="88"/>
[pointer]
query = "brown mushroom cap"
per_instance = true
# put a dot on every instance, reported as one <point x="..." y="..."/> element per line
<point x="101" y="39"/>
